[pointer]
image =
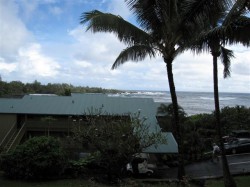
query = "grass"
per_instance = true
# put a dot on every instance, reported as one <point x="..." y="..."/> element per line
<point x="54" y="183"/>
<point x="242" y="181"/>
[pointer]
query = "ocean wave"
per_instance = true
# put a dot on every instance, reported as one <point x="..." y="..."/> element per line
<point x="148" y="93"/>
<point x="221" y="98"/>
<point x="192" y="102"/>
<point x="140" y="94"/>
<point x="207" y="98"/>
<point x="227" y="98"/>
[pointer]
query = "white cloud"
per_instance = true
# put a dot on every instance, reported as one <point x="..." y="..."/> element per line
<point x="20" y="56"/>
<point x="119" y="8"/>
<point x="56" y="10"/>
<point x="32" y="62"/>
<point x="86" y="58"/>
<point x="28" y="7"/>
<point x="6" y="68"/>
<point x="191" y="72"/>
<point x="99" y="47"/>
<point x="13" y="33"/>
<point x="83" y="64"/>
<point x="240" y="65"/>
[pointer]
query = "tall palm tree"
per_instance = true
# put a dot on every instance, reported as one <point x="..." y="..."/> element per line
<point x="161" y="30"/>
<point x="224" y="28"/>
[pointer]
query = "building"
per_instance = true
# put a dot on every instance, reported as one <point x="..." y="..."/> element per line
<point x="35" y="115"/>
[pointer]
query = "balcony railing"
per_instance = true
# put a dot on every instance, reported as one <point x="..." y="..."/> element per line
<point x="17" y="138"/>
<point x="8" y="135"/>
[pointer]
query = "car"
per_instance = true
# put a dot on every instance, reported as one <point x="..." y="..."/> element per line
<point x="236" y="134"/>
<point x="238" y="145"/>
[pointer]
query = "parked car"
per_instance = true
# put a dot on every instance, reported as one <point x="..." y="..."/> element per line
<point x="238" y="145"/>
<point x="235" y="134"/>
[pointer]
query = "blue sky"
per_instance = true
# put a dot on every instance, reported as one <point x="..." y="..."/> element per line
<point x="42" y="40"/>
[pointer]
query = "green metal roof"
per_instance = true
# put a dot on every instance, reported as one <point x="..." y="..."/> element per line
<point x="76" y="104"/>
<point x="170" y="147"/>
<point x="79" y="104"/>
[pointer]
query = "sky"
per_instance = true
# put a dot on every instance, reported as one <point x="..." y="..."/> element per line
<point x="43" y="40"/>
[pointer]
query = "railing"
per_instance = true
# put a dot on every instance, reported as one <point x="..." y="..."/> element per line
<point x="55" y="125"/>
<point x="8" y="135"/>
<point x="18" y="137"/>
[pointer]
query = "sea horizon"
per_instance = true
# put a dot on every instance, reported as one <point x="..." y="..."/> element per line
<point x="128" y="90"/>
<point x="191" y="102"/>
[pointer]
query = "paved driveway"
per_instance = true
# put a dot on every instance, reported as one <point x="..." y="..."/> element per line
<point x="238" y="164"/>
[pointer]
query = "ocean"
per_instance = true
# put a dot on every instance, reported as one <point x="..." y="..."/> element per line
<point x="193" y="102"/>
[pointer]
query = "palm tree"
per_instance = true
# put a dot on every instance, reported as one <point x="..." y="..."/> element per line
<point x="161" y="30"/>
<point x="230" y="29"/>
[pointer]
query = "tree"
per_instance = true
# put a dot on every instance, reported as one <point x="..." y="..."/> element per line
<point x="116" y="138"/>
<point x="166" y="111"/>
<point x="37" y="158"/>
<point x="235" y="118"/>
<point x="220" y="30"/>
<point x="162" y="30"/>
<point x="15" y="87"/>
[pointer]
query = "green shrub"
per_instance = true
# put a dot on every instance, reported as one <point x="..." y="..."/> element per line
<point x="39" y="157"/>
<point x="80" y="167"/>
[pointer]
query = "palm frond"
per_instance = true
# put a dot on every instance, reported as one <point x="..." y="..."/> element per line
<point x="200" y="43"/>
<point x="105" y="22"/>
<point x="238" y="9"/>
<point x="202" y="12"/>
<point x="135" y="53"/>
<point x="159" y="17"/>
<point x="146" y="12"/>
<point x="226" y="56"/>
<point x="238" y="31"/>
<point x="180" y="49"/>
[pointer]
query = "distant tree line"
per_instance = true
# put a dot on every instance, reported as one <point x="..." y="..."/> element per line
<point x="17" y="88"/>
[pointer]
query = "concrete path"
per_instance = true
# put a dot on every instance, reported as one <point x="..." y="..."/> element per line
<point x="238" y="164"/>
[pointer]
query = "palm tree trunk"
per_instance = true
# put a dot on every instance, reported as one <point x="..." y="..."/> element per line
<point x="228" y="179"/>
<point x="176" y="122"/>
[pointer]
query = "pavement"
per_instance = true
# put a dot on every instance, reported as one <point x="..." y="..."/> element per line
<point x="238" y="165"/>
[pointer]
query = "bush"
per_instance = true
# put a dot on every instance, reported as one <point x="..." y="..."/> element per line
<point x="79" y="167"/>
<point x="37" y="158"/>
<point x="235" y="118"/>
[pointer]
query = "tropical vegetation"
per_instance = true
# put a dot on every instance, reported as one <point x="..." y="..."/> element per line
<point x="226" y="23"/>
<point x="199" y="131"/>
<point x="37" y="158"/>
<point x="170" y="27"/>
<point x="106" y="135"/>
<point x="242" y="181"/>
<point x="162" y="30"/>
<point x="117" y="140"/>
<point x="18" y="88"/>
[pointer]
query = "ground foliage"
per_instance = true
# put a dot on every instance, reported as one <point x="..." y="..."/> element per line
<point x="117" y="139"/>
<point x="37" y="158"/>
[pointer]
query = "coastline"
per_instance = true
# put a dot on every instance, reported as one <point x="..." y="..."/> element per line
<point x="192" y="102"/>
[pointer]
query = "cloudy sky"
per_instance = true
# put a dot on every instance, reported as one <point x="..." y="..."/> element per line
<point x="42" y="40"/>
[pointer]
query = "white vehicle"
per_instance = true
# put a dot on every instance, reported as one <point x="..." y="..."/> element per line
<point x="142" y="167"/>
